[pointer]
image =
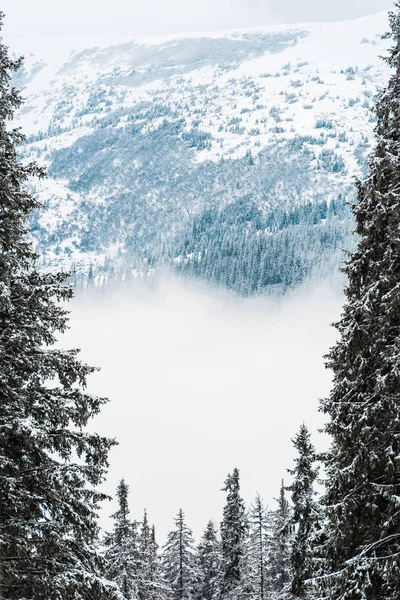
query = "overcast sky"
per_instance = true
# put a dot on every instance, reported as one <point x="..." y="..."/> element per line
<point x="135" y="17"/>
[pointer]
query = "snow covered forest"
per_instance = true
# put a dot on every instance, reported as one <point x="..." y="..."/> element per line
<point x="258" y="553"/>
<point x="333" y="532"/>
<point x="228" y="158"/>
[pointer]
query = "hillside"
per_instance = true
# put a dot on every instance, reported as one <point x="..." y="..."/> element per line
<point x="229" y="156"/>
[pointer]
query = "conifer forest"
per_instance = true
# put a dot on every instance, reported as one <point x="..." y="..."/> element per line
<point x="259" y="163"/>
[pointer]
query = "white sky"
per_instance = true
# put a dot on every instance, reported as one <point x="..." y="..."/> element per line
<point x="199" y="384"/>
<point x="29" y="18"/>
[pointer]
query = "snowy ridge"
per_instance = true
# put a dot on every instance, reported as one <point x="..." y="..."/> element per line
<point x="137" y="134"/>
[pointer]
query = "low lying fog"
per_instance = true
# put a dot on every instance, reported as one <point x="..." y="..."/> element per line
<point x="199" y="383"/>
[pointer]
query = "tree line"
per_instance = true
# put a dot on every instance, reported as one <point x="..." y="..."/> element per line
<point x="343" y="546"/>
<point x="241" y="249"/>
<point x="256" y="554"/>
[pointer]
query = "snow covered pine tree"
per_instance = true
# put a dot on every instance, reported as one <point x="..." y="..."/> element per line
<point x="151" y="585"/>
<point x="208" y="559"/>
<point x="257" y="550"/>
<point x="363" y="467"/>
<point x="180" y="571"/>
<point x="279" y="565"/>
<point x="234" y="529"/>
<point x="49" y="465"/>
<point x="306" y="512"/>
<point x="122" y="555"/>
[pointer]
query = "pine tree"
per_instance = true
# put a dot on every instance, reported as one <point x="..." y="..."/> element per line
<point x="306" y="513"/>
<point x="258" y="550"/>
<point x="209" y="564"/>
<point x="159" y="586"/>
<point x="144" y="582"/>
<point x="363" y="467"/>
<point x="150" y="584"/>
<point x="122" y="555"/>
<point x="279" y="568"/>
<point x="50" y="465"/>
<point x="234" y="530"/>
<point x="178" y="560"/>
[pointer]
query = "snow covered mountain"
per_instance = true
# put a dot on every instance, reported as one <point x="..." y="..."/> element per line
<point x="229" y="156"/>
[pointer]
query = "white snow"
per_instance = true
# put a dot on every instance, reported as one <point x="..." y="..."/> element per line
<point x="330" y="72"/>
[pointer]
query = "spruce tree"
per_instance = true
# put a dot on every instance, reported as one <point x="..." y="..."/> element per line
<point x="209" y="565"/>
<point x="150" y="583"/>
<point x="258" y="549"/>
<point x="122" y="555"/>
<point x="159" y="586"/>
<point x="306" y="512"/>
<point x="363" y="467"/>
<point x="178" y="560"/>
<point x="144" y="580"/>
<point x="234" y="528"/>
<point x="50" y="465"/>
<point x="279" y="567"/>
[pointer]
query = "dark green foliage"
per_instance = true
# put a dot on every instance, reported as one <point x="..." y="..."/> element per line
<point x="49" y="465"/>
<point x="363" y="468"/>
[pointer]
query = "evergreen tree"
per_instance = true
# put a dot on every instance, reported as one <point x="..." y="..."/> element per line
<point x="50" y="465"/>
<point x="258" y="549"/>
<point x="144" y="581"/>
<point x="234" y="530"/>
<point x="179" y="565"/>
<point x="122" y="559"/>
<point x="209" y="564"/>
<point x="306" y="513"/>
<point x="150" y="584"/>
<point x="363" y="468"/>
<point x="279" y="568"/>
<point x="159" y="585"/>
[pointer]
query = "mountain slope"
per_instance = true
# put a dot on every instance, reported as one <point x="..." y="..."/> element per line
<point x="229" y="156"/>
